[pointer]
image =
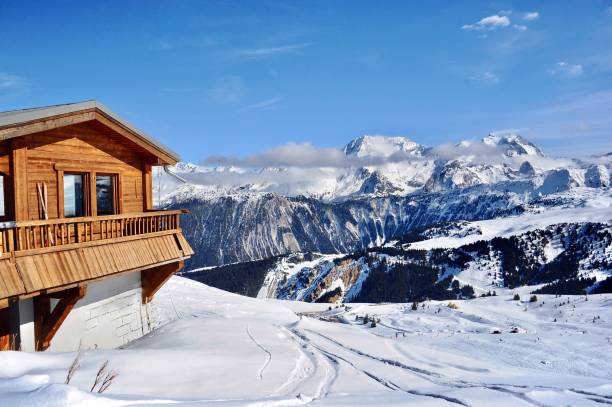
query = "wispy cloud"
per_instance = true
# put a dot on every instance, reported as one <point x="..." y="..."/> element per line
<point x="488" y="78"/>
<point x="171" y="45"/>
<point x="489" y="23"/>
<point x="609" y="11"/>
<point x="520" y="27"/>
<point x="11" y="83"/>
<point x="230" y="89"/>
<point x="303" y="155"/>
<point x="530" y="16"/>
<point x="267" y="104"/>
<point x="270" y="51"/>
<point x="566" y="69"/>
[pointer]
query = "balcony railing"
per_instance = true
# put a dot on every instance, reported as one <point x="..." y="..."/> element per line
<point x="40" y="234"/>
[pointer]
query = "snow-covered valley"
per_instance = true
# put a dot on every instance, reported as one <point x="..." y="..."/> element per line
<point x="217" y="348"/>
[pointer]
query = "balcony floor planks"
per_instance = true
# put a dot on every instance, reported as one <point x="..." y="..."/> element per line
<point x="47" y="269"/>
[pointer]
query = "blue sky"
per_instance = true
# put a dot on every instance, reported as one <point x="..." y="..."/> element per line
<point x="234" y="78"/>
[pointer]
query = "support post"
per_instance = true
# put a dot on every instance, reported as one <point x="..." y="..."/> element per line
<point x="147" y="185"/>
<point x="154" y="278"/>
<point x="14" y="324"/>
<point x="46" y="321"/>
<point x="19" y="173"/>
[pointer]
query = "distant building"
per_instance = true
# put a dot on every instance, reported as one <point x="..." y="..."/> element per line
<point x="82" y="251"/>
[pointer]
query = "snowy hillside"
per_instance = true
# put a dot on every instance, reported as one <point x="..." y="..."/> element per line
<point x="221" y="349"/>
<point x="487" y="256"/>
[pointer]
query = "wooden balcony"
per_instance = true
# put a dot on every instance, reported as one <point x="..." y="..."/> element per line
<point x="45" y="255"/>
<point x="55" y="233"/>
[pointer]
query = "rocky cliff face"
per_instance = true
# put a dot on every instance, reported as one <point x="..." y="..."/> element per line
<point x="239" y="228"/>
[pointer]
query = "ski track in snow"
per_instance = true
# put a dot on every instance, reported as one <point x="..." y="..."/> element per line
<point x="266" y="351"/>
<point x="443" y="381"/>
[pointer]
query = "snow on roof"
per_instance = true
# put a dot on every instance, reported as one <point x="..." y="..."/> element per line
<point x="15" y="117"/>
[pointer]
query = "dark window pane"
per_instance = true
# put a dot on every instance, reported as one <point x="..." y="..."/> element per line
<point x="2" y="211"/>
<point x="104" y="195"/>
<point x="74" y="202"/>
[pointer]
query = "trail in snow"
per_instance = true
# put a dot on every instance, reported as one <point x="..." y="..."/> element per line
<point x="266" y="351"/>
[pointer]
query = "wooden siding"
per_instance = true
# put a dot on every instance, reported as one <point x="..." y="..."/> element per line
<point x="85" y="147"/>
<point x="31" y="273"/>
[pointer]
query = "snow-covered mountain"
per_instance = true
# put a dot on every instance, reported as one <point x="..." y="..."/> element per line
<point x="382" y="146"/>
<point x="374" y="189"/>
<point x="384" y="166"/>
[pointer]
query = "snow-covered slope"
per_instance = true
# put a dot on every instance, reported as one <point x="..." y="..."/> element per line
<point x="220" y="349"/>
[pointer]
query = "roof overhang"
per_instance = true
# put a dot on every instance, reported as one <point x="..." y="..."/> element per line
<point x="19" y="123"/>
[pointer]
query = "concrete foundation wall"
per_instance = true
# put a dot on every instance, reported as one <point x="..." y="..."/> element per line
<point x="110" y="315"/>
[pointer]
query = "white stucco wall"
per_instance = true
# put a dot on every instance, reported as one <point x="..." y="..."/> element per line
<point x="110" y="315"/>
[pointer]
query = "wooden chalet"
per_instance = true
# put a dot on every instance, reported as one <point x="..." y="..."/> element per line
<point x="78" y="231"/>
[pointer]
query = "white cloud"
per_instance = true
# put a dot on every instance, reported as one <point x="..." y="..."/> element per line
<point x="303" y="155"/>
<point x="488" y="78"/>
<point x="520" y="27"/>
<point x="566" y="69"/>
<point x="265" y="52"/>
<point x="533" y="15"/>
<point x="182" y="43"/>
<point x="489" y="23"/>
<point x="230" y="89"/>
<point x="11" y="84"/>
<point x="609" y="11"/>
<point x="267" y="104"/>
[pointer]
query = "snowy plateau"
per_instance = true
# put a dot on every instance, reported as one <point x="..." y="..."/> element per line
<point x="215" y="348"/>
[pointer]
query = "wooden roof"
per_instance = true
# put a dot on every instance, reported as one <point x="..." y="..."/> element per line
<point x="17" y="123"/>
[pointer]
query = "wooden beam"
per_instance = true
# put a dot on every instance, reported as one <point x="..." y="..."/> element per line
<point x="147" y="185"/>
<point x="60" y="193"/>
<point x="153" y="279"/>
<point x="19" y="172"/>
<point x="49" y="123"/>
<point x="14" y="324"/>
<point x="5" y="337"/>
<point x="93" y="201"/>
<point x="47" y="322"/>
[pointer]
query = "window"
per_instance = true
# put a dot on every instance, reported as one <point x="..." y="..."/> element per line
<point x="105" y="194"/>
<point x="74" y="195"/>
<point x="2" y="209"/>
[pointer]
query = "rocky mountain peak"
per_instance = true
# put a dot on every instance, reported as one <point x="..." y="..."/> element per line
<point x="381" y="146"/>
<point x="512" y="144"/>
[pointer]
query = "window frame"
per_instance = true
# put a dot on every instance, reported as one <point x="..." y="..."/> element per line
<point x="85" y="208"/>
<point x="6" y="196"/>
<point x="90" y="188"/>
<point x="115" y="188"/>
